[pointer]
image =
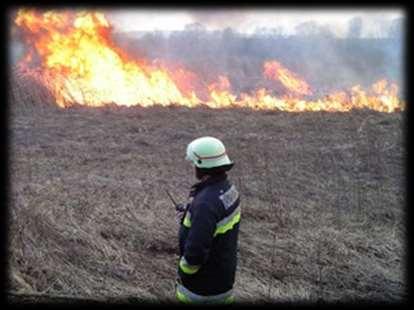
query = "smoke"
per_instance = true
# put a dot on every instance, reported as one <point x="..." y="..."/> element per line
<point x="16" y="52"/>
<point x="326" y="61"/>
<point x="369" y="23"/>
<point x="214" y="19"/>
<point x="330" y="50"/>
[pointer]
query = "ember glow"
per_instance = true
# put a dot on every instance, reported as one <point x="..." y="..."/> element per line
<point x="73" y="55"/>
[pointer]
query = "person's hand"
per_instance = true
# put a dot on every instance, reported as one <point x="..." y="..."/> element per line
<point x="180" y="212"/>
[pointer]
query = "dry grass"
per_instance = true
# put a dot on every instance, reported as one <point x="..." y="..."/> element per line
<point x="322" y="198"/>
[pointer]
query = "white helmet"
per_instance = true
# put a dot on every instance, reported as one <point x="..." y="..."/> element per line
<point x="207" y="152"/>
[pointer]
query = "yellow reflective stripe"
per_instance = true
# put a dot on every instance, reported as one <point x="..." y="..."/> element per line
<point x="229" y="300"/>
<point x="187" y="268"/>
<point x="181" y="297"/>
<point x="187" y="221"/>
<point x="229" y="225"/>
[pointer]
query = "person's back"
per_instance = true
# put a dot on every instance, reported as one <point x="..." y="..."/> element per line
<point x="209" y="232"/>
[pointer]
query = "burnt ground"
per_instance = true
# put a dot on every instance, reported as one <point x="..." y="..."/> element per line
<point x="323" y="198"/>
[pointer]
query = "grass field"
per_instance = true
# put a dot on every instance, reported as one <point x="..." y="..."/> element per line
<point x="323" y="198"/>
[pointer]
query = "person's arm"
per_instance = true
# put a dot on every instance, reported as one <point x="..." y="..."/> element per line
<point x="200" y="236"/>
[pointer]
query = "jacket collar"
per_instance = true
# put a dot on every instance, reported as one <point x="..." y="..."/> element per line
<point x="210" y="180"/>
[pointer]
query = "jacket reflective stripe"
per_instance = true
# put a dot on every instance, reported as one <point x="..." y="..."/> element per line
<point x="229" y="197"/>
<point x="181" y="297"/>
<point x="228" y="222"/>
<point x="187" y="268"/>
<point x="222" y="226"/>
<point x="187" y="219"/>
<point x="186" y="296"/>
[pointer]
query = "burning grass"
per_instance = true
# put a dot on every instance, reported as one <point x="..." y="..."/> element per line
<point x="322" y="198"/>
<point x="72" y="54"/>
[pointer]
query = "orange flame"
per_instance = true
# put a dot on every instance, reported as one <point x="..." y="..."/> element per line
<point x="95" y="71"/>
<point x="220" y="94"/>
<point x="275" y="71"/>
<point x="72" y="54"/>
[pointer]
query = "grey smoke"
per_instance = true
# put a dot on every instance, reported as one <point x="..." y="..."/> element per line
<point x="326" y="61"/>
<point x="219" y="19"/>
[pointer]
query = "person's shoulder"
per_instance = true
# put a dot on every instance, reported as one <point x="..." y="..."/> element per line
<point x="229" y="196"/>
<point x="224" y="194"/>
<point x="214" y="191"/>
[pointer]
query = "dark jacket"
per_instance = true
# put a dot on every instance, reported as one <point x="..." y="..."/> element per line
<point x="208" y="237"/>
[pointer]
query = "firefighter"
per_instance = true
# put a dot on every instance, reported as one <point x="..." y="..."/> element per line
<point x="209" y="226"/>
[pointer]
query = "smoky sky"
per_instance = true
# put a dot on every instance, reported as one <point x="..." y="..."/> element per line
<point x="220" y="19"/>
<point x="373" y="23"/>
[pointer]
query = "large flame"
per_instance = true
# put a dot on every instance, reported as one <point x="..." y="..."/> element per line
<point x="77" y="47"/>
<point x="72" y="54"/>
